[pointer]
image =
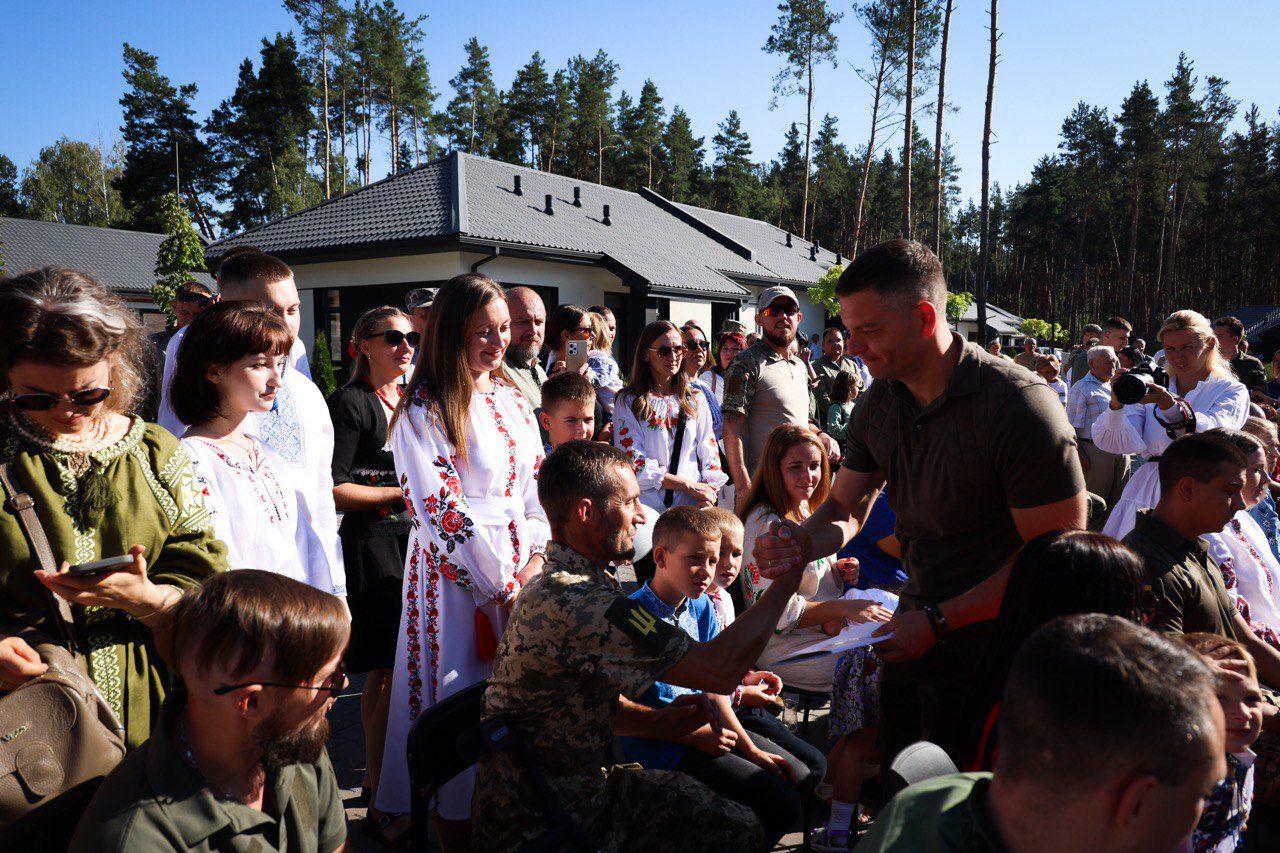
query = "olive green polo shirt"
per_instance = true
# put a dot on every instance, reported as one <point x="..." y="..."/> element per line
<point x="1186" y="589"/>
<point x="528" y="379"/>
<point x="995" y="440"/>
<point x="156" y="801"/>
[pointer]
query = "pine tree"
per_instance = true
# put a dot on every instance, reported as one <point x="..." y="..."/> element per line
<point x="320" y="20"/>
<point x="938" y="191"/>
<point x="557" y="138"/>
<point x="984" y="250"/>
<point x="649" y="128"/>
<point x="591" y="129"/>
<point x="322" y="365"/>
<point x="180" y="254"/>
<point x="529" y="107"/>
<point x="733" y="183"/>
<point x="790" y="176"/>
<point x="804" y="37"/>
<point x="469" y="119"/>
<point x="1140" y="150"/>
<point x="163" y="151"/>
<point x="10" y="203"/>
<point x="683" y="158"/>
<point x="883" y="21"/>
<point x="398" y="60"/>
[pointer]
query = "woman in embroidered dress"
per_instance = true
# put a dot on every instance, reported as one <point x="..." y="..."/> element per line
<point x="728" y="347"/>
<point x="697" y="353"/>
<point x="467" y="451"/>
<point x="1202" y="394"/>
<point x="231" y="363"/>
<point x="104" y="484"/>
<point x="375" y="526"/>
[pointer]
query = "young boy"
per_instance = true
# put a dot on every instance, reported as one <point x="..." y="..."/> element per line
<point x="1226" y="810"/>
<point x="748" y="769"/>
<point x="568" y="409"/>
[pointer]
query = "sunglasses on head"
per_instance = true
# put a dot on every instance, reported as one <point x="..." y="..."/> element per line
<point x="393" y="337"/>
<point x="85" y="399"/>
<point x="786" y="309"/>
<point x="193" y="298"/>
<point x="666" y="350"/>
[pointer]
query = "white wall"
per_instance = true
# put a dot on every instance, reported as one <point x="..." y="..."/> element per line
<point x="813" y="322"/>
<point x="699" y="312"/>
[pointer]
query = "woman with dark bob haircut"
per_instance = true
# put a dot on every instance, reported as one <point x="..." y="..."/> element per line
<point x="230" y="364"/>
<point x="1058" y="573"/>
<point x="104" y="484"/>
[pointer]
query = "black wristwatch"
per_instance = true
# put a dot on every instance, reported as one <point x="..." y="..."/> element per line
<point x="941" y="630"/>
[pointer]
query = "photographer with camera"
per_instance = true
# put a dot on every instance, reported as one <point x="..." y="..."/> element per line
<point x="1105" y="473"/>
<point x="1143" y="417"/>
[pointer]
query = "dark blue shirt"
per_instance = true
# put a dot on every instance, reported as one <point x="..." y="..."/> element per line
<point x="879" y="570"/>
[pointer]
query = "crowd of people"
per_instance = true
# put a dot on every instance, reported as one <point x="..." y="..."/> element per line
<point x="1059" y="574"/>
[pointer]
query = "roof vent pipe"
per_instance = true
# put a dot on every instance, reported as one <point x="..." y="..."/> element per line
<point x="606" y="215"/>
<point x="548" y="209"/>
<point x="577" y="196"/>
<point x="813" y="252"/>
<point x="839" y="258"/>
<point x="518" y="191"/>
<point x="788" y="239"/>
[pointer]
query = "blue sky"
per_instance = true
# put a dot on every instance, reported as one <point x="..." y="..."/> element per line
<point x="63" y="62"/>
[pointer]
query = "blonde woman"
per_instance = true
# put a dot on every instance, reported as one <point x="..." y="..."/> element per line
<point x="1203" y="394"/>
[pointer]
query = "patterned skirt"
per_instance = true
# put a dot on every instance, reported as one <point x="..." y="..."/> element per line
<point x="855" y="692"/>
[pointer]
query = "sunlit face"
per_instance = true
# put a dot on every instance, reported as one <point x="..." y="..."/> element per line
<point x="801" y="468"/>
<point x="488" y="337"/>
<point x="1117" y="339"/>
<point x="568" y="420"/>
<point x="611" y="323"/>
<point x="384" y="358"/>
<point x="890" y="341"/>
<point x="528" y="325"/>
<point x="695" y="351"/>
<point x="280" y="297"/>
<point x="1104" y="366"/>
<point x="1256" y="479"/>
<point x="1214" y="503"/>
<point x="833" y="344"/>
<point x="65" y="418"/>
<point x="1048" y="373"/>
<point x="612" y="527"/>
<point x="1186" y="354"/>
<point x="688" y="565"/>
<point x="730" y="562"/>
<point x="584" y="331"/>
<point x="780" y="328"/>
<point x="295" y="725"/>
<point x="729" y="350"/>
<point x="1228" y="343"/>
<point x="248" y="384"/>
<point x="1241" y="702"/>
<point x="664" y="366"/>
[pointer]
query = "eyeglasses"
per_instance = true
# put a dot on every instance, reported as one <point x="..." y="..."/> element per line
<point x="787" y="310"/>
<point x="85" y="399"/>
<point x="193" y="298"/>
<point x="702" y="345"/>
<point x="334" y="685"/>
<point x="393" y="337"/>
<point x="666" y="350"/>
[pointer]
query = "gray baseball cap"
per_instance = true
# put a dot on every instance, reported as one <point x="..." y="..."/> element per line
<point x="773" y="294"/>
<point x="421" y="297"/>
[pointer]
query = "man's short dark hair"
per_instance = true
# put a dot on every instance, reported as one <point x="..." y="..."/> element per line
<point x="567" y="386"/>
<point x="1232" y="323"/>
<point x="1201" y="456"/>
<point x="577" y="470"/>
<point x="1092" y="328"/>
<point x="1091" y="697"/>
<point x="839" y="330"/>
<point x="251" y="266"/>
<point x="1120" y="324"/>
<point x="193" y="286"/>
<point x="903" y="270"/>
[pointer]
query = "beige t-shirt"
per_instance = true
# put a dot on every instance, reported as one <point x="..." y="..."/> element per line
<point x="769" y="391"/>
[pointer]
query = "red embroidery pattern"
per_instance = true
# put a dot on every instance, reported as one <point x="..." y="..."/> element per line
<point x="408" y="501"/>
<point x="444" y="511"/>
<point x="753" y="589"/>
<point x="432" y="619"/>
<point x="511" y="445"/>
<point x="266" y="488"/>
<point x="413" y="641"/>
<point x="627" y="443"/>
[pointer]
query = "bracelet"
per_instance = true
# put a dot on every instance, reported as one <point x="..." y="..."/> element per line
<point x="163" y="605"/>
<point x="937" y="621"/>
<point x="736" y="700"/>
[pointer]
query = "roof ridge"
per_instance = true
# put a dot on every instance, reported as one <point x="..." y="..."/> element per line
<point x="706" y="228"/>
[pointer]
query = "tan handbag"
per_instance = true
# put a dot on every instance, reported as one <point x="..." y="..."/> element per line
<point x="58" y="736"/>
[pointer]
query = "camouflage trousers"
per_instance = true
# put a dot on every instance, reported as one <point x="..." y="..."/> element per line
<point x="659" y="810"/>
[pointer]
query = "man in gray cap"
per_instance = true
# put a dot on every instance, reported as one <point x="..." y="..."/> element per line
<point x="766" y="386"/>
<point x="418" y="303"/>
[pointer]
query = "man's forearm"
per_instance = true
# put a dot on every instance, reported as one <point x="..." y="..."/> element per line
<point x="734" y="451"/>
<point x="832" y="526"/>
<point x="744" y="640"/>
<point x="981" y="603"/>
<point x="634" y="719"/>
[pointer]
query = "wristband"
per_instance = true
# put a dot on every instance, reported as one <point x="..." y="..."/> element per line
<point x="938" y="622"/>
<point x="736" y="699"/>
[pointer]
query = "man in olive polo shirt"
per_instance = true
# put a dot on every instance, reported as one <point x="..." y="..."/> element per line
<point x="980" y="458"/>
<point x="237" y="760"/>
<point x="832" y="364"/>
<point x="528" y="329"/>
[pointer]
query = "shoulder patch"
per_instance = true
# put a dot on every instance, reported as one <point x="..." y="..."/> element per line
<point x="638" y="622"/>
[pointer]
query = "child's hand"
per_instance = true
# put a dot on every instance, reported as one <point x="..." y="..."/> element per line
<point x="860" y="610"/>
<point x="713" y="742"/>
<point x="848" y="568"/>
<point x="757" y="696"/>
<point x="770" y="682"/>
<point x="773" y="763"/>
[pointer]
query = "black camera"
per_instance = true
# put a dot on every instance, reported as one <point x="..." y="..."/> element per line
<point x="1130" y="388"/>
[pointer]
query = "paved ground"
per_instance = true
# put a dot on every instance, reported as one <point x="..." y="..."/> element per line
<point x="346" y="750"/>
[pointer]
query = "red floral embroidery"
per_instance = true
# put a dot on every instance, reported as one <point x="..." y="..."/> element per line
<point x="511" y="445"/>
<point x="413" y="642"/>
<point x="452" y="521"/>
<point x="444" y="509"/>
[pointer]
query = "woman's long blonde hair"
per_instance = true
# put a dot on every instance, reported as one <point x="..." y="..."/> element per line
<point x="442" y="379"/>
<point x="1194" y="321"/>
<point x="767" y="488"/>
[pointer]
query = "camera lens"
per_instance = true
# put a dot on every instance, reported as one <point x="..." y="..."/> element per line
<point x="1131" y="387"/>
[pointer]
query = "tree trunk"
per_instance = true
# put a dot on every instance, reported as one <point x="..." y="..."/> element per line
<point x="417" y="149"/>
<point x="471" y="145"/>
<point x="324" y="69"/>
<point x="937" y="139"/>
<point x="871" y="146"/>
<point x="343" y="134"/>
<point x="1132" y="265"/>
<point x="983" y="247"/>
<point x="909" y="122"/>
<point x="649" y="154"/>
<point x="808" y="132"/>
<point x="600" y="153"/>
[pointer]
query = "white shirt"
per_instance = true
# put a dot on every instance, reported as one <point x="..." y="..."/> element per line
<point x="715" y="382"/>
<point x="650" y="445"/>
<point x="1242" y="548"/>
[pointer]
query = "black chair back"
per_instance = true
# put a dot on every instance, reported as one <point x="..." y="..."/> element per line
<point x="443" y="741"/>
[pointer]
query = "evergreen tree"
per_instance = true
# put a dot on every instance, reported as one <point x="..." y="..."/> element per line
<point x="180" y="254"/>
<point x="683" y="158"/>
<point x="10" y="203"/>
<point x="69" y="182"/>
<point x="398" y="60"/>
<point x="470" y="119"/>
<point x="556" y="143"/>
<point x="1140" y="152"/>
<point x="320" y="21"/>
<point x="734" y="182"/>
<point x="530" y="104"/>
<point x="418" y="100"/>
<point x="788" y="180"/>
<point x="591" y="130"/>
<point x="803" y="36"/>
<point x="648" y="127"/>
<point x="163" y="151"/>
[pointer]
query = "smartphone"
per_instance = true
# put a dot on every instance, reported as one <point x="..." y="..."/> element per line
<point x="575" y="355"/>
<point x="100" y="567"/>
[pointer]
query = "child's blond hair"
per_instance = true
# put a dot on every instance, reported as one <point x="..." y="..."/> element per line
<point x="681" y="521"/>
<point x="730" y="524"/>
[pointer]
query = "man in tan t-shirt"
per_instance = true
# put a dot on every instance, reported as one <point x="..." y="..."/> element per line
<point x="766" y="386"/>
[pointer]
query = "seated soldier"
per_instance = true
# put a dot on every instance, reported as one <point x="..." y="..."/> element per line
<point x="237" y="760"/>
<point x="573" y="645"/>
<point x="1111" y="737"/>
<point x="748" y="769"/>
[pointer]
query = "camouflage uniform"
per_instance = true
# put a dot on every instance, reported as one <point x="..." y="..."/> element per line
<point x="574" y="643"/>
<point x="827" y="371"/>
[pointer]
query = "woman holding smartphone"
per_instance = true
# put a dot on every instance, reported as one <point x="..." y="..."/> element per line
<point x="573" y="324"/>
<point x="104" y="484"/>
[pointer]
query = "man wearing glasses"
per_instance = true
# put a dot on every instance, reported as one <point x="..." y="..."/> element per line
<point x="766" y="386"/>
<point x="237" y="760"/>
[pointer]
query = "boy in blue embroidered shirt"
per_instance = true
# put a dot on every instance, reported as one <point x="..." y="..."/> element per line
<point x="748" y="769"/>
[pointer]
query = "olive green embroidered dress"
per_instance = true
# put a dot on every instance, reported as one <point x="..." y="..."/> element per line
<point x="144" y="492"/>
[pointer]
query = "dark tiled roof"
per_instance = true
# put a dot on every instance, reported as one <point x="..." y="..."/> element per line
<point x="769" y="246"/>
<point x="123" y="260"/>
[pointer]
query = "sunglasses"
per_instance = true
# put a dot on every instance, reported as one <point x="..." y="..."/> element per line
<point x="193" y="298"/>
<point x="393" y="337"/>
<point x="784" y="310"/>
<point x="702" y="345"/>
<point x="85" y="399"/>
<point x="334" y="685"/>
<point x="666" y="350"/>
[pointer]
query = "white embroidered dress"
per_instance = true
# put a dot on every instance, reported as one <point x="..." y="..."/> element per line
<point x="649" y="445"/>
<point x="1217" y="401"/>
<point x="474" y="528"/>
<point x="255" y="511"/>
